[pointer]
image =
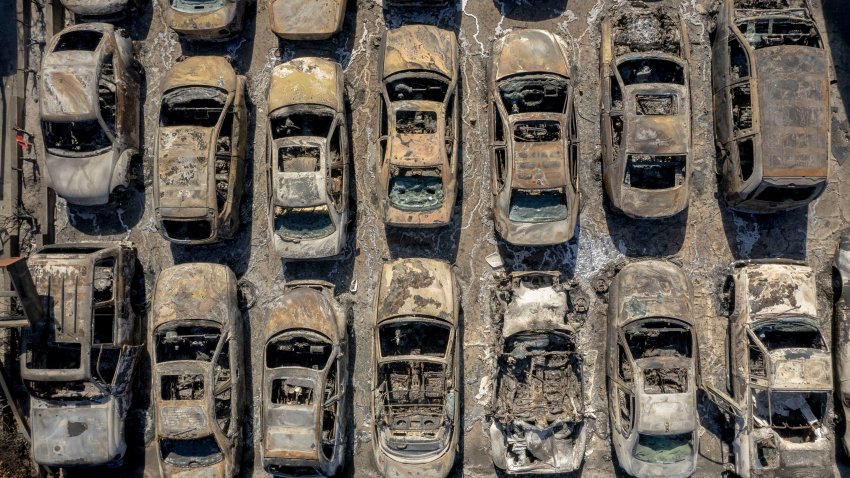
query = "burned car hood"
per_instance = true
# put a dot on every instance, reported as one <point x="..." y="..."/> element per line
<point x="300" y="189"/>
<point x="529" y="51"/>
<point x="69" y="82"/>
<point x="793" y="99"/>
<point x="212" y="71"/>
<point x="304" y="80"/>
<point x="184" y="155"/>
<point x="801" y="369"/>
<point x="779" y="289"/>
<point x="302" y="308"/>
<point x="535" y="309"/>
<point x="657" y="291"/>
<point x="193" y="292"/>
<point x="79" y="179"/>
<point x="420" y="47"/>
<point x="184" y="419"/>
<point x="416" y="287"/>
<point x="667" y="134"/>
<point x="79" y="433"/>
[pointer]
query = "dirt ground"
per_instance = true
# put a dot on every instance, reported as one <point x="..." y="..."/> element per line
<point x="704" y="239"/>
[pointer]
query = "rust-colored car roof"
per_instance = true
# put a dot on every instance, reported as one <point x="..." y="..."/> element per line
<point x="306" y="81"/>
<point x="530" y="51"/>
<point x="793" y="102"/>
<point x="420" y="47"/>
<point x="303" y="308"/>
<point x="184" y="166"/>
<point x="212" y="71"/>
<point x="195" y="291"/>
<point x="416" y="287"/>
<point x="539" y="165"/>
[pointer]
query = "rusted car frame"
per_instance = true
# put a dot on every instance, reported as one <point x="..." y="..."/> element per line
<point x="652" y="368"/>
<point x="308" y="161"/>
<point x="415" y="369"/>
<point x="534" y="145"/>
<point x="841" y="318"/>
<point x="781" y="372"/>
<point x="197" y="371"/>
<point x="80" y="377"/>
<point x="537" y="417"/>
<point x="418" y="126"/>
<point x="646" y="112"/>
<point x="203" y="19"/>
<point x="199" y="160"/>
<point x="770" y="79"/>
<point x="89" y="112"/>
<point x="306" y="19"/>
<point x="305" y="382"/>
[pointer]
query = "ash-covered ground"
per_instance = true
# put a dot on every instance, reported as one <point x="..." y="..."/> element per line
<point x="704" y="239"/>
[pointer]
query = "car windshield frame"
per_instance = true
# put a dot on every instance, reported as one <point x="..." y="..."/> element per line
<point x="403" y="320"/>
<point x="560" y="211"/>
<point x="326" y="230"/>
<point x="62" y="151"/>
<point x="788" y="321"/>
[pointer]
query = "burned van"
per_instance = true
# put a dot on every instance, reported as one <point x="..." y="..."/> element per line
<point x="308" y="160"/>
<point x="770" y="78"/>
<point x="79" y="368"/>
<point x="203" y="19"/>
<point x="306" y="19"/>
<point x="89" y="112"/>
<point x="536" y="423"/>
<point x="652" y="371"/>
<point x="305" y="381"/>
<point x="418" y="126"/>
<point x="415" y="369"/>
<point x="534" y="139"/>
<point x="646" y="112"/>
<point x="199" y="162"/>
<point x="197" y="374"/>
<point x="781" y="372"/>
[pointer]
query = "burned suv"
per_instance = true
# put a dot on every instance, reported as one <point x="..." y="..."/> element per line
<point x="305" y="381"/>
<point x="770" y="77"/>
<point x="308" y="159"/>
<point x="646" y="112"/>
<point x="203" y="19"/>
<point x="196" y="370"/>
<point x="199" y="161"/>
<point x="652" y="369"/>
<point x="535" y="165"/>
<point x="537" y="418"/>
<point x="78" y="365"/>
<point x="89" y="111"/>
<point x="415" y="369"/>
<point x="781" y="372"/>
<point x="417" y="167"/>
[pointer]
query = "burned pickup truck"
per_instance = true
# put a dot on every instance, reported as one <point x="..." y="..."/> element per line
<point x="652" y="369"/>
<point x="770" y="77"/>
<point x="536" y="423"/>
<point x="199" y="162"/>
<point x="415" y="369"/>
<point x="534" y="139"/>
<point x="308" y="160"/>
<point x="89" y="112"/>
<point x="781" y="373"/>
<point x="305" y="382"/>
<point x="197" y="374"/>
<point x="646" y="112"/>
<point x="203" y="19"/>
<point x="417" y="166"/>
<point x="78" y="365"/>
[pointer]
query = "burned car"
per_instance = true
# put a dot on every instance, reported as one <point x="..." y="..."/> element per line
<point x="78" y="364"/>
<point x="199" y="161"/>
<point x="104" y="10"/>
<point x="770" y="77"/>
<point x="842" y="330"/>
<point x="646" y="112"/>
<point x="537" y="418"/>
<point x="203" y="19"/>
<point x="652" y="367"/>
<point x="417" y="167"/>
<point x="196" y="370"/>
<point x="535" y="165"/>
<point x="415" y="370"/>
<point x="305" y="381"/>
<point x="781" y="372"/>
<point x="306" y="19"/>
<point x="89" y="112"/>
<point x="308" y="159"/>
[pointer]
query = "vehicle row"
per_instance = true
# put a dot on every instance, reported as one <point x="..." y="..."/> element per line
<point x="769" y="83"/>
<point x="78" y="365"/>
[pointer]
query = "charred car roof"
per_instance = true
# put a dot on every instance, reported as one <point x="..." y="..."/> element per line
<point x="420" y="48"/>
<point x="306" y="80"/>
<point x="416" y="287"/>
